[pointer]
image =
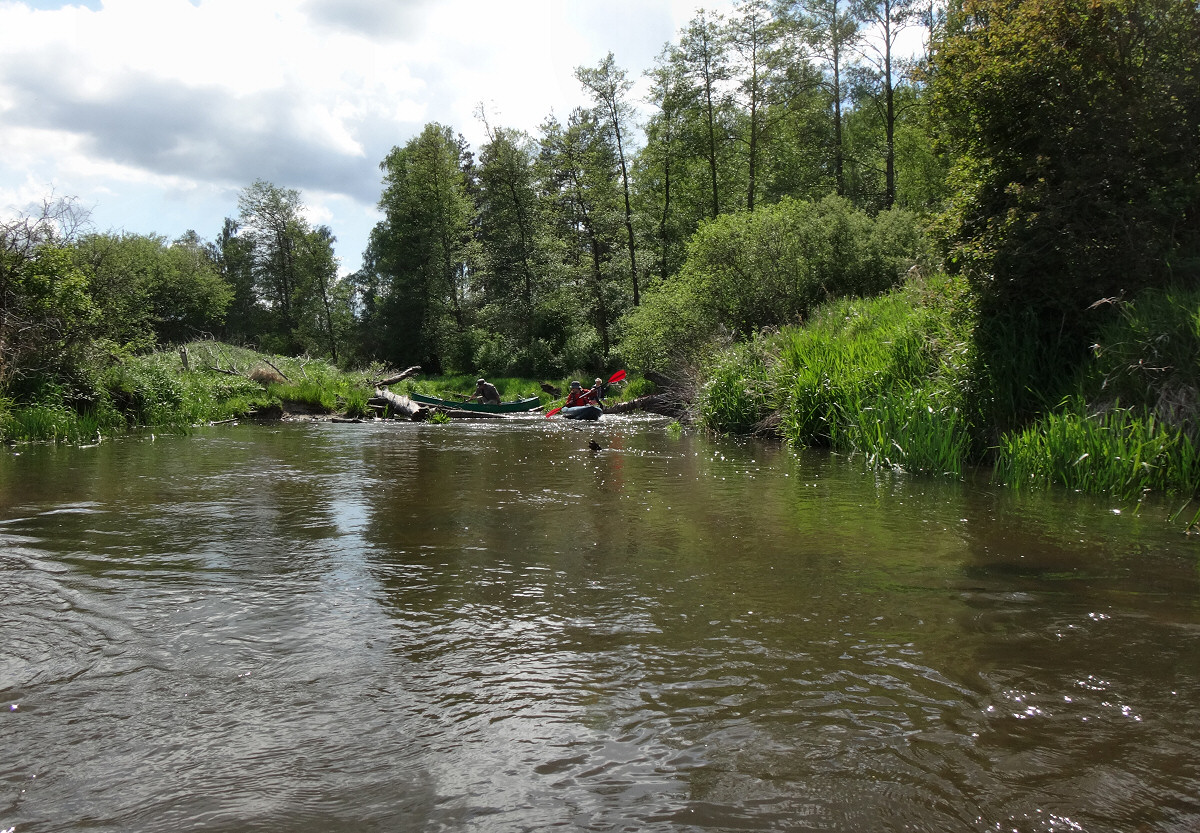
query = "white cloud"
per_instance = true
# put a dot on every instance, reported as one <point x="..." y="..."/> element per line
<point x="158" y="112"/>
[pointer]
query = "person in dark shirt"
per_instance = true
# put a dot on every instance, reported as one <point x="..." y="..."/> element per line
<point x="486" y="392"/>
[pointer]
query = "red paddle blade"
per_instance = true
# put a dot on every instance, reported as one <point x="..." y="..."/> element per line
<point x="552" y="413"/>
<point x="619" y="376"/>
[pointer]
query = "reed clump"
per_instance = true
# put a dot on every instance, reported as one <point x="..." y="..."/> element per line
<point x="739" y="394"/>
<point x="1125" y="452"/>
<point x="1133" y="427"/>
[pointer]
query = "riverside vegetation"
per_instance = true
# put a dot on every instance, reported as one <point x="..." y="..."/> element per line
<point x="897" y="380"/>
<point x="991" y="258"/>
<point x="222" y="382"/>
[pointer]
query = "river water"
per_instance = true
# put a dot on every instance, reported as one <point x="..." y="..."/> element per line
<point x="489" y="627"/>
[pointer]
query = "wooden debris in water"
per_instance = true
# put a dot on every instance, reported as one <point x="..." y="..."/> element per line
<point x="402" y="405"/>
<point x="415" y="370"/>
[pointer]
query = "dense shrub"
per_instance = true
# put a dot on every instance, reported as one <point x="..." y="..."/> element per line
<point x="1073" y="126"/>
<point x="1149" y="357"/>
<point x="668" y="329"/>
<point x="767" y="268"/>
<point x="46" y="310"/>
<point x="1133" y="423"/>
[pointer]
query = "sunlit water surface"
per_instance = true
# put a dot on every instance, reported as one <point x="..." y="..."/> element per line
<point x="489" y="627"/>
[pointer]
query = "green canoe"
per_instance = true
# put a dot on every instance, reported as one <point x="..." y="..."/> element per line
<point x="503" y="408"/>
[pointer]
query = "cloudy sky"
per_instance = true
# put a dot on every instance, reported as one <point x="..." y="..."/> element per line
<point x="154" y="114"/>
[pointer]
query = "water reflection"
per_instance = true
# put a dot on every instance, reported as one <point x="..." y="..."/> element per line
<point x="492" y="627"/>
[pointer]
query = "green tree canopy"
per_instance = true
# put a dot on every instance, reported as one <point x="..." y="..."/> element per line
<point x="582" y="185"/>
<point x="293" y="270"/>
<point x="46" y="310"/>
<point x="150" y="291"/>
<point x="415" y="274"/>
<point x="1075" y="126"/>
<point x="609" y="87"/>
<point x="511" y="231"/>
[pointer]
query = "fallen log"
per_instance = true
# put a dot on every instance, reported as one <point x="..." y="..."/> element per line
<point x="402" y="405"/>
<point x="276" y="369"/>
<point x="415" y="370"/>
<point x="228" y="371"/>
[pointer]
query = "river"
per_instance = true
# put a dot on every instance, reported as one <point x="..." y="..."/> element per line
<point x="488" y="626"/>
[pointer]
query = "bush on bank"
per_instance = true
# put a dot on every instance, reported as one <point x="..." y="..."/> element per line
<point x="766" y="268"/>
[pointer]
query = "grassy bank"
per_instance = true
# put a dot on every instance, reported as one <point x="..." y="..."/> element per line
<point x="221" y="382"/>
<point x="156" y="391"/>
<point x="894" y="380"/>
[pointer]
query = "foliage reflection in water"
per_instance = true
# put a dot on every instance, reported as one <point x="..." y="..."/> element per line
<point x="492" y="627"/>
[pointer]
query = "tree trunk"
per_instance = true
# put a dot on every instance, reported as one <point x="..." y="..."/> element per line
<point x="889" y="196"/>
<point x="628" y="209"/>
<point x="407" y="374"/>
<point x="838" y="158"/>
<point x="402" y="404"/>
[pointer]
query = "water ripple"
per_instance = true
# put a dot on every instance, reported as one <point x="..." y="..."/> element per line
<point x="490" y="628"/>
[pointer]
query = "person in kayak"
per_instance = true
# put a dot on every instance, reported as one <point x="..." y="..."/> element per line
<point x="486" y="392"/>
<point x="593" y="396"/>
<point x="577" y="396"/>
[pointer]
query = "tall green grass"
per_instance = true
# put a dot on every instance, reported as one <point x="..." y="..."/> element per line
<point x="150" y="391"/>
<point x="354" y="402"/>
<point x="309" y="394"/>
<point x="910" y="428"/>
<point x="739" y="394"/>
<point x="55" y="423"/>
<point x="883" y="377"/>
<point x="1134" y="425"/>
<point x="311" y="384"/>
<point x="1122" y="452"/>
<point x="155" y="390"/>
